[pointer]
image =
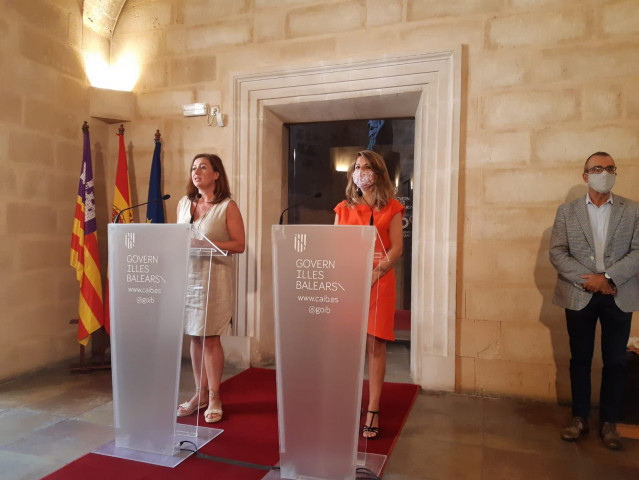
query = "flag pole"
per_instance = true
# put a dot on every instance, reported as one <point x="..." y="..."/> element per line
<point x="84" y="256"/>
<point x="155" y="209"/>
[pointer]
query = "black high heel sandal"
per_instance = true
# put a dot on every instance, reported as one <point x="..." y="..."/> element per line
<point x="372" y="431"/>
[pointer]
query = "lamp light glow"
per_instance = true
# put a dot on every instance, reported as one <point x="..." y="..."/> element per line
<point x="122" y="75"/>
<point x="195" y="110"/>
<point x="343" y="157"/>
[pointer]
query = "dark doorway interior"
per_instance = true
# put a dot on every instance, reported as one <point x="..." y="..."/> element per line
<point x="319" y="154"/>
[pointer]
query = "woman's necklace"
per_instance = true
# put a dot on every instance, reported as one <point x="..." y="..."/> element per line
<point x="202" y="217"/>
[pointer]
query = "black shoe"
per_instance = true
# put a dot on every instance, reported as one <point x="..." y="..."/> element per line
<point x="574" y="431"/>
<point x="369" y="432"/>
<point x="610" y="437"/>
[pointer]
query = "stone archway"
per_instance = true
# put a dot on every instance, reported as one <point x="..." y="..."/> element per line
<point x="426" y="87"/>
<point x="101" y="16"/>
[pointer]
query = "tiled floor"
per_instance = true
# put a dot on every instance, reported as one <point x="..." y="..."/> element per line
<point x="52" y="418"/>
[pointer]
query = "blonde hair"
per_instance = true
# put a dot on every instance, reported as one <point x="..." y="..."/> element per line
<point x="383" y="189"/>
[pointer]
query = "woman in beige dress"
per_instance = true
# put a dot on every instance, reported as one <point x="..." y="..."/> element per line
<point x="209" y="207"/>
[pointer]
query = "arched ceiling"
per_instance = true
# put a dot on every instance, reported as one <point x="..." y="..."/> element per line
<point x="101" y="15"/>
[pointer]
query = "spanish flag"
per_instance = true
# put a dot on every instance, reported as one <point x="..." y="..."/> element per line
<point x="121" y="201"/>
<point x="84" y="250"/>
<point x="122" y="193"/>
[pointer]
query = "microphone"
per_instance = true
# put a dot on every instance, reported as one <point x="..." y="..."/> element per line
<point x="117" y="217"/>
<point x="317" y="195"/>
<point x="360" y="194"/>
<point x="199" y="195"/>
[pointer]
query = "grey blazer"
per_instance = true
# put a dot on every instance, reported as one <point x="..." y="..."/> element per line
<point x="572" y="253"/>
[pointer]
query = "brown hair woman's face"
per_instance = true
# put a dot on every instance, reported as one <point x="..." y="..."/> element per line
<point x="202" y="174"/>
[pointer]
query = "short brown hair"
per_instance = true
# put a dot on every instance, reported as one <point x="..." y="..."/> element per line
<point x="596" y="154"/>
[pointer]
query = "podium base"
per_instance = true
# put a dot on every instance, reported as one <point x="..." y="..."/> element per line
<point x="372" y="461"/>
<point x="200" y="437"/>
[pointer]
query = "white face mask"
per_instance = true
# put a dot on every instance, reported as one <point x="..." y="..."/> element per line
<point x="364" y="179"/>
<point x="601" y="182"/>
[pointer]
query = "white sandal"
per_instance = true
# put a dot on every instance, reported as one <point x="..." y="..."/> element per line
<point x="187" y="408"/>
<point x="213" y="415"/>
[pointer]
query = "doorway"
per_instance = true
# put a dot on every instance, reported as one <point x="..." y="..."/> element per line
<point x="319" y="154"/>
<point x="426" y="87"/>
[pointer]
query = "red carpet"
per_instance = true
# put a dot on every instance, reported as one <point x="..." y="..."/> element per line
<point x="250" y="435"/>
<point x="402" y="320"/>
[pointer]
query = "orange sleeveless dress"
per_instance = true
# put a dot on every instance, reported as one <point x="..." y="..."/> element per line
<point x="381" y="313"/>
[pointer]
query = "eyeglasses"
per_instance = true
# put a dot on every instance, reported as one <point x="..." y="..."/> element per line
<point x="598" y="169"/>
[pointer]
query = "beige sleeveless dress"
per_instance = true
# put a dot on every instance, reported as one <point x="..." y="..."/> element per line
<point x="220" y="305"/>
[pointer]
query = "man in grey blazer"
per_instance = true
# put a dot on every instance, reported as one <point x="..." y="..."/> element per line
<point x="594" y="246"/>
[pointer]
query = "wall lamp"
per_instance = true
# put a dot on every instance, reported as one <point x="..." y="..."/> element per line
<point x="212" y="113"/>
<point x="215" y="111"/>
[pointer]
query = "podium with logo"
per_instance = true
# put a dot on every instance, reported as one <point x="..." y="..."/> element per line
<point x="148" y="275"/>
<point x="322" y="285"/>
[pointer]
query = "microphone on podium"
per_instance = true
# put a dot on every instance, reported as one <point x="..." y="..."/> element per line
<point x="316" y="195"/>
<point x="360" y="194"/>
<point x="199" y="195"/>
<point x="117" y="217"/>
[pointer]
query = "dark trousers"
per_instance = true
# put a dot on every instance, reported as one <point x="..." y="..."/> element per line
<point x="615" y="331"/>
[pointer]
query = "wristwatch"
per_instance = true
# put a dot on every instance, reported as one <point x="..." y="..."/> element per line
<point x="607" y="277"/>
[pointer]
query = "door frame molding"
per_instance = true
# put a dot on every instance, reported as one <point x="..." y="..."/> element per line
<point x="426" y="87"/>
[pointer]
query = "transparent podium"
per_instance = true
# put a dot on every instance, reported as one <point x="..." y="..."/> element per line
<point x="322" y="285"/>
<point x="149" y="271"/>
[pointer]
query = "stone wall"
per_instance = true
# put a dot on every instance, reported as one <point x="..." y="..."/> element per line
<point x="45" y="99"/>
<point x="544" y="84"/>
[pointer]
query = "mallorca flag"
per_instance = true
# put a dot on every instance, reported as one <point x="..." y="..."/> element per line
<point x="155" y="209"/>
<point x="84" y="250"/>
<point x="121" y="201"/>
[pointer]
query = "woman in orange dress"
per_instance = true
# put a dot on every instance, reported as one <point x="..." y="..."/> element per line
<point x="370" y="198"/>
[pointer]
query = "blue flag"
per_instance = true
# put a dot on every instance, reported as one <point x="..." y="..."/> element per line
<point x="155" y="209"/>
